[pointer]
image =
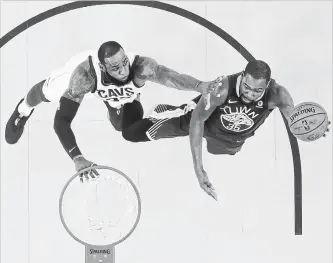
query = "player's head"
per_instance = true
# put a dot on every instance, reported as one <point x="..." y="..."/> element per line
<point x="114" y="61"/>
<point x="254" y="81"/>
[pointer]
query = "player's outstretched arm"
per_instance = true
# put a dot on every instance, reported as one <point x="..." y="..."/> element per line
<point x="281" y="98"/>
<point x="81" y="83"/>
<point x="148" y="69"/>
<point x="200" y="114"/>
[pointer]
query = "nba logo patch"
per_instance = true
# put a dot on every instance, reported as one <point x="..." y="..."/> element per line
<point x="259" y="104"/>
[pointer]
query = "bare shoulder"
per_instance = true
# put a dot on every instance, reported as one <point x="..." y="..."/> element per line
<point x="143" y="61"/>
<point x="278" y="95"/>
<point x="82" y="81"/>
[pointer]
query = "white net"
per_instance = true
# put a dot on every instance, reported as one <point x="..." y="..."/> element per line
<point x="101" y="211"/>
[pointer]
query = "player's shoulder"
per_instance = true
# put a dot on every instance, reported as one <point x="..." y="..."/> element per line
<point x="140" y="61"/>
<point x="143" y="67"/>
<point x="88" y="63"/>
<point x="132" y="57"/>
<point x="84" y="72"/>
<point x="276" y="93"/>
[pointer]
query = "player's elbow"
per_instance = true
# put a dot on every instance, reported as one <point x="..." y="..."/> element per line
<point x="196" y="122"/>
<point x="65" y="115"/>
<point x="59" y="125"/>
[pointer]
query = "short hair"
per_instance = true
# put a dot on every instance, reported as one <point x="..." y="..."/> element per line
<point x="108" y="49"/>
<point x="258" y="69"/>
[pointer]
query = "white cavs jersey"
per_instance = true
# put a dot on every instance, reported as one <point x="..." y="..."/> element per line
<point x="114" y="95"/>
<point x="57" y="83"/>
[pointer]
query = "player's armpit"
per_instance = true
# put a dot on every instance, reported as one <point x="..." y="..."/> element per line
<point x="81" y="83"/>
<point x="282" y="99"/>
<point x="148" y="69"/>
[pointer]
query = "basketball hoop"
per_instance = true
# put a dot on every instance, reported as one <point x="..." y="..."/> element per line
<point x="101" y="212"/>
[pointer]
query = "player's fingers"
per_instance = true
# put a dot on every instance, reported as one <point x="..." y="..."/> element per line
<point x="217" y="84"/>
<point x="211" y="193"/>
<point x="208" y="184"/>
<point x="218" y="89"/>
<point x="81" y="178"/>
<point x="94" y="174"/>
<point x="214" y="195"/>
<point x="208" y="190"/>
<point x="219" y="79"/>
<point x="86" y="175"/>
<point x="207" y="99"/>
<point x="327" y="130"/>
<point x="91" y="174"/>
<point x="95" y="171"/>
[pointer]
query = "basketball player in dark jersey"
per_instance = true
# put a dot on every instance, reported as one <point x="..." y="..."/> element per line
<point x="237" y="106"/>
<point x="115" y="77"/>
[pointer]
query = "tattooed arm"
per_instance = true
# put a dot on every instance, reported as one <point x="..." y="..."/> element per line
<point x="81" y="83"/>
<point x="148" y="69"/>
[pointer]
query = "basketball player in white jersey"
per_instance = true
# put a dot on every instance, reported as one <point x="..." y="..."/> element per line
<point x="113" y="76"/>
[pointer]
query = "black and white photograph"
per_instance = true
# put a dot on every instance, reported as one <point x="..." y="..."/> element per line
<point x="166" y="131"/>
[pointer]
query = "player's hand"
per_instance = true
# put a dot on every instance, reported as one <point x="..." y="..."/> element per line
<point x="327" y="130"/>
<point x="80" y="164"/>
<point x="211" y="88"/>
<point x="205" y="184"/>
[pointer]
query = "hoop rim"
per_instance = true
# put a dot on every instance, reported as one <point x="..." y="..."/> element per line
<point x="105" y="168"/>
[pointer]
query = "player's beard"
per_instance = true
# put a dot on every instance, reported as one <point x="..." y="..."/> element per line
<point x="246" y="100"/>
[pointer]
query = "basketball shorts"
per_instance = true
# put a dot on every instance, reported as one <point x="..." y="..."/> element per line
<point x="170" y="122"/>
<point x="126" y="115"/>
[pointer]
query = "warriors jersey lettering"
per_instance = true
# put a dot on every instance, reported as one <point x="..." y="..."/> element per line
<point x="114" y="95"/>
<point x="235" y="120"/>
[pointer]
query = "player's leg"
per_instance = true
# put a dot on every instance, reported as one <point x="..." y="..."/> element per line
<point x="34" y="97"/>
<point x="164" y="121"/>
<point x="49" y="90"/>
<point x="137" y="131"/>
<point x="115" y="116"/>
<point x="126" y="115"/>
<point x="22" y="112"/>
<point x="132" y="113"/>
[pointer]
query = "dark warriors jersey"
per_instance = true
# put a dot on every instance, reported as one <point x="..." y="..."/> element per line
<point x="234" y="120"/>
